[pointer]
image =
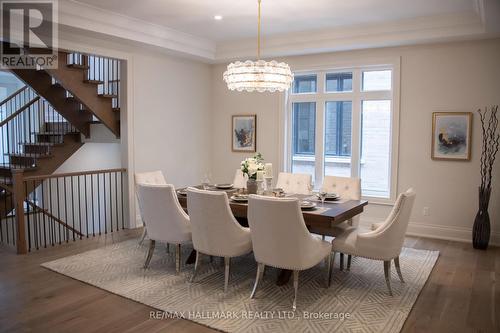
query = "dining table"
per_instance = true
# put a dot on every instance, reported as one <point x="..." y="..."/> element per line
<point x="321" y="220"/>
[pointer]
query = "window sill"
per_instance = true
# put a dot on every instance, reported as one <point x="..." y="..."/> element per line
<point x="328" y="159"/>
<point x="378" y="201"/>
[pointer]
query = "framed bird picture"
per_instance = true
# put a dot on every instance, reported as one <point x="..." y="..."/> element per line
<point x="244" y="133"/>
<point x="451" y="136"/>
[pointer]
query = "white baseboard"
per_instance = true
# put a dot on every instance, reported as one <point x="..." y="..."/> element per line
<point x="453" y="233"/>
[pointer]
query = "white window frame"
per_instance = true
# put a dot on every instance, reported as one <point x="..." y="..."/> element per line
<point x="356" y="96"/>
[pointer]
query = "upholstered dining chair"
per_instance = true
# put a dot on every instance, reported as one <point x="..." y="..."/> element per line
<point x="240" y="179"/>
<point x="151" y="177"/>
<point x="280" y="239"/>
<point x="297" y="183"/>
<point x="384" y="243"/>
<point x="348" y="189"/>
<point x="215" y="230"/>
<point x="167" y="221"/>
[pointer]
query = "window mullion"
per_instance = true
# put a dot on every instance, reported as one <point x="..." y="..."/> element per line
<point x="356" y="124"/>
<point x="320" y="131"/>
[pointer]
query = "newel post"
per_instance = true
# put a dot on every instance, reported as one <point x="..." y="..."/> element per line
<point x="19" y="195"/>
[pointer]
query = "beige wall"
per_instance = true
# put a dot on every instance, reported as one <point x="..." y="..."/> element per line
<point x="165" y="116"/>
<point x="462" y="76"/>
<point x="172" y="117"/>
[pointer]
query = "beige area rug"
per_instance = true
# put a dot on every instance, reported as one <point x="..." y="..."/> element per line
<point x="357" y="301"/>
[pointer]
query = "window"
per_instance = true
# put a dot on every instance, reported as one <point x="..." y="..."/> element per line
<point x="304" y="118"/>
<point x="343" y="123"/>
<point x="377" y="80"/>
<point x="304" y="137"/>
<point x="303" y="84"/>
<point x="375" y="148"/>
<point x="338" y="82"/>
<point x="338" y="128"/>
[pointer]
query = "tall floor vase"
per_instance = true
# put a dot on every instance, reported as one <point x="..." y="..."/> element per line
<point x="481" y="230"/>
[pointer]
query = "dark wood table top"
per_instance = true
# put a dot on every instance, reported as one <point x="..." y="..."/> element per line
<point x="324" y="217"/>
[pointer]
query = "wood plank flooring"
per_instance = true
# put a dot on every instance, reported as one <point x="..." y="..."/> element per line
<point x="461" y="295"/>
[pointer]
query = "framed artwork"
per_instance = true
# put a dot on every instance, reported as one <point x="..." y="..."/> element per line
<point x="244" y="133"/>
<point x="451" y="136"/>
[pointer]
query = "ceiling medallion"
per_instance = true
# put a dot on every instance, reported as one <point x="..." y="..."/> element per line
<point x="258" y="75"/>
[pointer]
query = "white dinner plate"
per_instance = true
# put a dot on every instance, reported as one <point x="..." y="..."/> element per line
<point x="224" y="186"/>
<point x="239" y="198"/>
<point x="307" y="205"/>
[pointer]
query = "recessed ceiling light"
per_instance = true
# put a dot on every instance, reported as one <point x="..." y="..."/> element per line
<point x="218" y="17"/>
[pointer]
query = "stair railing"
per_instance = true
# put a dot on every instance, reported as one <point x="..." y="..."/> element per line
<point x="27" y="133"/>
<point x="8" y="230"/>
<point x="103" y="71"/>
<point x="16" y="101"/>
<point x="66" y="207"/>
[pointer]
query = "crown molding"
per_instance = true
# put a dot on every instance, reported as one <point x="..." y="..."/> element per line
<point x="421" y="30"/>
<point x="82" y="16"/>
<point x="481" y="22"/>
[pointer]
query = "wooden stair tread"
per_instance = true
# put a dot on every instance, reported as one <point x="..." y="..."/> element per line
<point x="17" y="166"/>
<point x="116" y="109"/>
<point x="50" y="144"/>
<point x="54" y="133"/>
<point x="77" y="66"/>
<point x="93" y="81"/>
<point x="107" y="95"/>
<point x="32" y="155"/>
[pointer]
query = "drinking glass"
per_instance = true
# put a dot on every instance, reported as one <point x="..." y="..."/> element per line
<point x="322" y="196"/>
<point x="205" y="182"/>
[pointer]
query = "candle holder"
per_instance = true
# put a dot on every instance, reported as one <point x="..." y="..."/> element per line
<point x="260" y="187"/>
<point x="268" y="184"/>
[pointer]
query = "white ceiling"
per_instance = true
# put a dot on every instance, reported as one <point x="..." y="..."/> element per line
<point x="195" y="17"/>
<point x="290" y="27"/>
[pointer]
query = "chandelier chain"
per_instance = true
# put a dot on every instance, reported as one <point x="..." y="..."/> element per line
<point x="258" y="75"/>
<point x="258" y="33"/>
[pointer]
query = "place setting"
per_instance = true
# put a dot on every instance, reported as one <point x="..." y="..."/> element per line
<point x="325" y="197"/>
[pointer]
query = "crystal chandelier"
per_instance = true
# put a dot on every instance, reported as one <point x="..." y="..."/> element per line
<point x="258" y="75"/>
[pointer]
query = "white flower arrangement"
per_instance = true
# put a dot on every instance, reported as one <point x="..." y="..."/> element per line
<point x="251" y="165"/>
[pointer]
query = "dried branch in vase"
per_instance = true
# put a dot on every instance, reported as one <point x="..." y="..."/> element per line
<point x="490" y="144"/>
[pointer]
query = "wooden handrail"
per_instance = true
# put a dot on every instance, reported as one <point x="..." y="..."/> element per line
<point x="7" y="188"/>
<point x="46" y="212"/>
<point x="70" y="174"/>
<point x="12" y="116"/>
<point x="13" y="94"/>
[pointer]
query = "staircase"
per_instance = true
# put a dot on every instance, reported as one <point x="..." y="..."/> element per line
<point x="42" y="123"/>
<point x="82" y="87"/>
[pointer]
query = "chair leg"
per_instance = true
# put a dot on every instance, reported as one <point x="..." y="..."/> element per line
<point x="167" y="247"/>
<point x="323" y="237"/>
<point x="398" y="269"/>
<point x="349" y="259"/>
<point x="150" y="253"/>
<point x="260" y="273"/>
<point x="144" y="234"/>
<point x="227" y="263"/>
<point x="341" y="261"/>
<point x="196" y="265"/>
<point x="296" y="288"/>
<point x="329" y="270"/>
<point x="178" y="259"/>
<point x="387" y="273"/>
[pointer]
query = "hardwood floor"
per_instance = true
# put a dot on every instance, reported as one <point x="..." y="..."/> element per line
<point x="461" y="295"/>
